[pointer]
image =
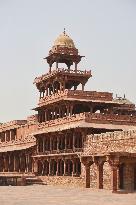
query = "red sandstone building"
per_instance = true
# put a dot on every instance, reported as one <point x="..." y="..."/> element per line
<point x="77" y="137"/>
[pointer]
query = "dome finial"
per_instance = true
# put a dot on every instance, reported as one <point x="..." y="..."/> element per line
<point x="64" y="31"/>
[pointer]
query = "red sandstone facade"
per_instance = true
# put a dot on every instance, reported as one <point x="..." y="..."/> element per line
<point x="77" y="137"/>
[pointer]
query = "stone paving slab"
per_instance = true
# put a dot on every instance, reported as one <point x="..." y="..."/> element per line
<point x="58" y="195"/>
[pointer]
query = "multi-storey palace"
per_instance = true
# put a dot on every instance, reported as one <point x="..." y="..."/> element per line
<point x="77" y="138"/>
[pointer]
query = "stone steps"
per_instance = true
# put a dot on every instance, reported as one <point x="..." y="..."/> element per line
<point x="34" y="180"/>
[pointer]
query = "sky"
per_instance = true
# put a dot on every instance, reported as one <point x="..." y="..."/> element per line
<point x="103" y="30"/>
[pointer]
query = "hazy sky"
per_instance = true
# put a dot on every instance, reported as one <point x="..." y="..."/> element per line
<point x="103" y="30"/>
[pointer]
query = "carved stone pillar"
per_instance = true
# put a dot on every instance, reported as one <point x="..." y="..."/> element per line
<point x="35" y="166"/>
<point x="10" y="135"/>
<point x="57" y="143"/>
<point x="26" y="169"/>
<point x="87" y="163"/>
<point x="59" y="112"/>
<point x="73" y="164"/>
<point x="50" y="143"/>
<point x="73" y="141"/>
<point x="87" y="176"/>
<point x="64" y="167"/>
<point x="67" y="108"/>
<point x="49" y="167"/>
<point x="43" y="144"/>
<point x="71" y="110"/>
<point x="57" y="171"/>
<point x="65" y="142"/>
<point x="75" y="66"/>
<point x="5" y="136"/>
<point x="83" y="85"/>
<point x="45" y="115"/>
<point x="114" y="163"/>
<point x="14" y="158"/>
<point x="99" y="163"/>
<point x="114" y="178"/>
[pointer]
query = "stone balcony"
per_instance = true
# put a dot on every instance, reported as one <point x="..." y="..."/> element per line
<point x="60" y="152"/>
<point x="62" y="71"/>
<point x="76" y="95"/>
<point x="88" y="120"/>
<point x="18" y="144"/>
<point x="12" y="125"/>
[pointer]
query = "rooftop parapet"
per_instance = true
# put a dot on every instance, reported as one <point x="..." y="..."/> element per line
<point x="12" y="124"/>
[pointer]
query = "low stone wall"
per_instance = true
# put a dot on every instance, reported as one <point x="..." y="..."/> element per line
<point x="63" y="180"/>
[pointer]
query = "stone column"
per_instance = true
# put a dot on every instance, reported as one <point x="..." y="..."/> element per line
<point x="64" y="167"/>
<point x="43" y="144"/>
<point x="75" y="67"/>
<point x="87" y="163"/>
<point x="114" y="163"/>
<point x="57" y="143"/>
<point x="65" y="142"/>
<point x="8" y="163"/>
<point x="35" y="166"/>
<point x="71" y="110"/>
<point x="26" y="168"/>
<point x="99" y="165"/>
<point x="87" y="176"/>
<point x="43" y="167"/>
<point x="49" y="167"/>
<point x="45" y="115"/>
<point x="5" y="136"/>
<point x="51" y="144"/>
<point x="68" y="167"/>
<point x="114" y="178"/>
<point x="10" y="135"/>
<point x="73" y="163"/>
<point x="67" y="108"/>
<point x="57" y="172"/>
<point x="4" y="163"/>
<point x="40" y="94"/>
<point x="14" y="158"/>
<point x="73" y="141"/>
<point x="59" y="112"/>
<point x="83" y="87"/>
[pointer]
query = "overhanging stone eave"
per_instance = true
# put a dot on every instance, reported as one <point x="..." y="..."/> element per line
<point x="57" y="155"/>
<point x="17" y="147"/>
<point x="74" y="99"/>
<point x="83" y="124"/>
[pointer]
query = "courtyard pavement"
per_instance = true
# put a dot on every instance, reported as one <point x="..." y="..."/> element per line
<point x="58" y="195"/>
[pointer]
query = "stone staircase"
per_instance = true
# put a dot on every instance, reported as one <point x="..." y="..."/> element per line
<point x="34" y="180"/>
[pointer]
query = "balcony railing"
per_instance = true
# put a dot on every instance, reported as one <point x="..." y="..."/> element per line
<point x="63" y="71"/>
<point x="60" y="151"/>
<point x="76" y="94"/>
<point x="27" y="139"/>
<point x="12" y="124"/>
<point x="91" y="118"/>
